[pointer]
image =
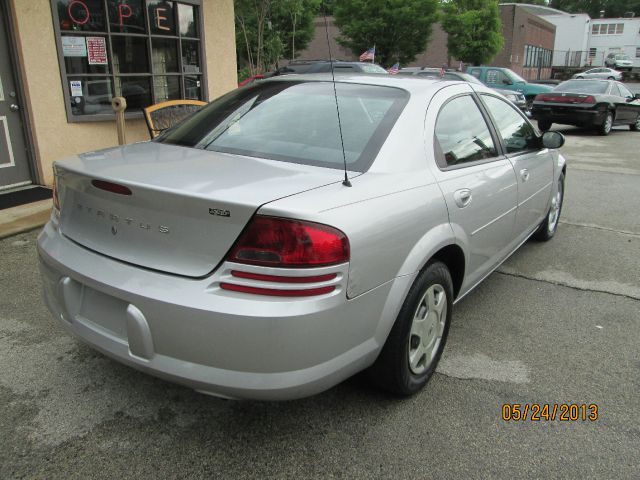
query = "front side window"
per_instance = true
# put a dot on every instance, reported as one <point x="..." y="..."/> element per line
<point x="461" y="134"/>
<point x="296" y="122"/>
<point x="518" y="134"/>
<point x="147" y="51"/>
<point x="624" y="91"/>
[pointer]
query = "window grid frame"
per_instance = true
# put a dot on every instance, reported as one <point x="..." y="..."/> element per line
<point x="108" y="34"/>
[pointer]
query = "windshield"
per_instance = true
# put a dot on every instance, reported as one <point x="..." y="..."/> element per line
<point x="514" y="76"/>
<point x="582" y="86"/>
<point x="366" y="68"/>
<point x="622" y="57"/>
<point x="296" y="122"/>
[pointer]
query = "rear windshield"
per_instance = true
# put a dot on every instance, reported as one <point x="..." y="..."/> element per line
<point x="296" y="122"/>
<point x="582" y="86"/>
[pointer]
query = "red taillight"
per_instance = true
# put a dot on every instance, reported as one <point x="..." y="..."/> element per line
<point x="541" y="97"/>
<point x="564" y="98"/>
<point x="589" y="99"/>
<point x="111" y="187"/>
<point x="280" y="242"/>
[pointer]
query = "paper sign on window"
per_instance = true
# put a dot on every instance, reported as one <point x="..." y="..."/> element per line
<point x="76" y="88"/>
<point x="74" y="47"/>
<point x="97" y="50"/>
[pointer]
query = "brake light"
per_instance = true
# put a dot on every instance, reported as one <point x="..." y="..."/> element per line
<point x="280" y="242"/>
<point x="273" y="292"/>
<point x="111" y="187"/>
<point x="589" y="99"/>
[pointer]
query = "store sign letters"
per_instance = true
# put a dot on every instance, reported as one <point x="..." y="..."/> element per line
<point x="79" y="13"/>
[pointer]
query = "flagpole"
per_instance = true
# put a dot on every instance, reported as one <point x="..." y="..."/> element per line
<point x="373" y="57"/>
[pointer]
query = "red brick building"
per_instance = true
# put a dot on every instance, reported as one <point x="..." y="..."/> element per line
<point x="528" y="44"/>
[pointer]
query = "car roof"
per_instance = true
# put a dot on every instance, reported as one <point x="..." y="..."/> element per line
<point x="412" y="84"/>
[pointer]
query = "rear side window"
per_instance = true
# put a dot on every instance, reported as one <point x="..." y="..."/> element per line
<point x="461" y="133"/>
<point x="518" y="134"/>
<point x="297" y="122"/>
<point x="615" y="90"/>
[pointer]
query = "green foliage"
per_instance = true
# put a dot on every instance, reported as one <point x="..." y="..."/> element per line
<point x="268" y="30"/>
<point x="399" y="29"/>
<point x="612" y="8"/>
<point x="474" y="29"/>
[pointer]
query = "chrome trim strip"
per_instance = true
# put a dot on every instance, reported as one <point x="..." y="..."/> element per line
<point x="494" y="220"/>
<point x="536" y="193"/>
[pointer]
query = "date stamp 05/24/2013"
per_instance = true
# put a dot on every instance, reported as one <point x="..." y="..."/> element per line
<point x="550" y="412"/>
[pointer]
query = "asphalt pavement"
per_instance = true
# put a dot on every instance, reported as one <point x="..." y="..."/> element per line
<point x="558" y="323"/>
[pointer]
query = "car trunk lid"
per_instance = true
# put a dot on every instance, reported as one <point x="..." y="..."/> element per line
<point x="185" y="209"/>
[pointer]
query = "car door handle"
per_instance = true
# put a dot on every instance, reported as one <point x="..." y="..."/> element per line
<point x="462" y="197"/>
<point x="524" y="174"/>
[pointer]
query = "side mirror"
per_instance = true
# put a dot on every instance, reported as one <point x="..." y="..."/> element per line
<point x="552" y="139"/>
<point x="506" y="81"/>
<point x="637" y="96"/>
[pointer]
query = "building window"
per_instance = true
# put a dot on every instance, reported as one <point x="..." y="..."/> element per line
<point x="637" y="52"/>
<point x="607" y="29"/>
<point x="592" y="52"/>
<point x="147" y="51"/>
<point x="537" y="57"/>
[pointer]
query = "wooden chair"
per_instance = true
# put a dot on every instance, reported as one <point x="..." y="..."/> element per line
<point x="164" y="115"/>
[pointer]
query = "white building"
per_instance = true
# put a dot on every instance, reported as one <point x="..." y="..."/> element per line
<point x="614" y="35"/>
<point x="583" y="41"/>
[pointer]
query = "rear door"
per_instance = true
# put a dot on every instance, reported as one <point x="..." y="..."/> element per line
<point x="627" y="104"/>
<point x="477" y="181"/>
<point x="533" y="165"/>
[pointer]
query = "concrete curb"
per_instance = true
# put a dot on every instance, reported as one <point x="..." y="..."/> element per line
<point x="24" y="218"/>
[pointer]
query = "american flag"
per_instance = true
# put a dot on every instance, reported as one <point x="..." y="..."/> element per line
<point x="368" y="55"/>
<point x="393" y="70"/>
<point x="442" y="72"/>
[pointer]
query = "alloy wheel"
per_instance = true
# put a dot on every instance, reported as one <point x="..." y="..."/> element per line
<point x="554" y="212"/>
<point x="427" y="328"/>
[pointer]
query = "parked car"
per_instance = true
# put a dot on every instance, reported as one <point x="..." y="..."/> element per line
<point x="436" y="73"/>
<point x="507" y="79"/>
<point x="600" y="73"/>
<point x="598" y="104"/>
<point x="257" y="251"/>
<point x="324" y="66"/>
<point x="619" y="61"/>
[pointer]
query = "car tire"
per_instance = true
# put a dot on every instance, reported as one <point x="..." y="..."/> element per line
<point x="607" y="124"/>
<point x="414" y="347"/>
<point x="530" y="102"/>
<point x="580" y="77"/>
<point x="544" y="125"/>
<point x="547" y="229"/>
<point x="635" y="127"/>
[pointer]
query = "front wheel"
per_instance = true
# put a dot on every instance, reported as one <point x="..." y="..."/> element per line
<point x="635" y="126"/>
<point x="549" y="225"/>
<point x="607" y="124"/>
<point x="416" y="341"/>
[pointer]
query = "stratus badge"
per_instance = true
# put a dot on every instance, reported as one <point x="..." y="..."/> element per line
<point x="220" y="213"/>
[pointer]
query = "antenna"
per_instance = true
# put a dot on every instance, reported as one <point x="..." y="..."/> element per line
<point x="346" y="181"/>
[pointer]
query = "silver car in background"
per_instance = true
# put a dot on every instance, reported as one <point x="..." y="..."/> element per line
<point x="602" y="73"/>
<point x="231" y="255"/>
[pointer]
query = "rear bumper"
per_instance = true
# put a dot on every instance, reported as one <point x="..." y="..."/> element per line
<point x="566" y="116"/>
<point x="228" y="344"/>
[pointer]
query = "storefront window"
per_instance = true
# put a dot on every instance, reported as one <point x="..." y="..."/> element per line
<point x="147" y="51"/>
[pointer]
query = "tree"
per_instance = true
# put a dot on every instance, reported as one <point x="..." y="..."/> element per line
<point x="474" y="30"/>
<point x="267" y="30"/>
<point x="611" y="8"/>
<point x="399" y="29"/>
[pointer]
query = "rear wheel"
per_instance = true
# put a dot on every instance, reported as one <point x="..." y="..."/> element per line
<point x="607" y="124"/>
<point x="549" y="225"/>
<point x="416" y="341"/>
<point x="580" y="77"/>
<point x="610" y="78"/>
<point x="635" y="126"/>
<point x="544" y="125"/>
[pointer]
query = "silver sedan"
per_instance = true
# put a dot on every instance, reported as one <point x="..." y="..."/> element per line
<point x="601" y="72"/>
<point x="263" y="249"/>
